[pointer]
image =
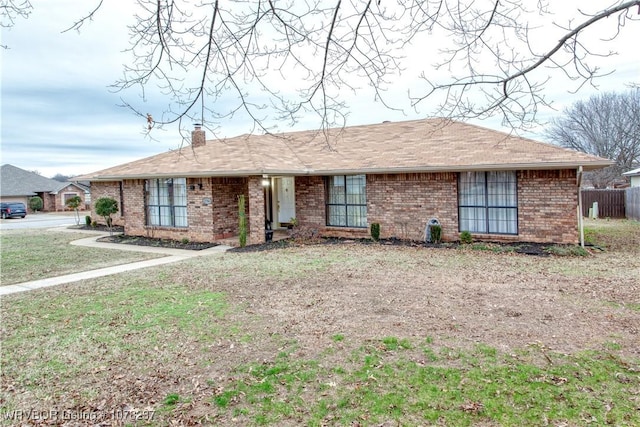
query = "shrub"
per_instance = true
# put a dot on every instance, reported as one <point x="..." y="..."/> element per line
<point x="465" y="237"/>
<point x="105" y="207"/>
<point x="436" y="233"/>
<point x="36" y="203"/>
<point x="375" y="231"/>
<point x="74" y="203"/>
<point x="242" y="222"/>
<point x="87" y="220"/>
<point x="480" y="247"/>
<point x="567" y="250"/>
<point x="185" y="240"/>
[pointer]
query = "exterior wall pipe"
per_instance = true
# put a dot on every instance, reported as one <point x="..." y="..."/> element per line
<point x="580" y="220"/>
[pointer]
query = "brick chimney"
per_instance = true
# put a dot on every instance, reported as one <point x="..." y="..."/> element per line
<point x="198" y="138"/>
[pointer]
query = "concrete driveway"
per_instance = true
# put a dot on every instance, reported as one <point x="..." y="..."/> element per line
<point x="41" y="220"/>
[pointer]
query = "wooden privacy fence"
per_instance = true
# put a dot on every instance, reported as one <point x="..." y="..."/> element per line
<point x="632" y="203"/>
<point x="610" y="202"/>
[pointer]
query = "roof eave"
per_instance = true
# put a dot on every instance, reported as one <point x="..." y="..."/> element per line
<point x="346" y="171"/>
<point x="465" y="168"/>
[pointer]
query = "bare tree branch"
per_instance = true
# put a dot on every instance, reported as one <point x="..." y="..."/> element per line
<point x="88" y="17"/>
<point x="10" y="11"/>
<point x="275" y="61"/>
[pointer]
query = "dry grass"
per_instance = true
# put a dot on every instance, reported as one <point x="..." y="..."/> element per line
<point x="354" y="335"/>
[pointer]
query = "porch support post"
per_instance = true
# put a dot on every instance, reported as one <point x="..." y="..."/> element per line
<point x="256" y="210"/>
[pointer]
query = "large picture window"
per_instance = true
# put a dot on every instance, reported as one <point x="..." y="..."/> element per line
<point x="167" y="202"/>
<point x="347" y="201"/>
<point x="488" y="202"/>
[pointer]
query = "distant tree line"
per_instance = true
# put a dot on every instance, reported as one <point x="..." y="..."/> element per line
<point x="606" y="125"/>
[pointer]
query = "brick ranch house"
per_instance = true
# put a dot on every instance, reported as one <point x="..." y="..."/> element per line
<point x="19" y="185"/>
<point x="398" y="174"/>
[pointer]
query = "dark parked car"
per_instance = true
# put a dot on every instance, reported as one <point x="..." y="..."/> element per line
<point x="12" y="210"/>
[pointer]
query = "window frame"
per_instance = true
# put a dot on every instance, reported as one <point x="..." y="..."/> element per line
<point x="346" y="205"/>
<point x="487" y="207"/>
<point x="171" y="205"/>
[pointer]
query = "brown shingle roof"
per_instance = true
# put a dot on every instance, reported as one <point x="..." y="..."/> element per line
<point x="413" y="146"/>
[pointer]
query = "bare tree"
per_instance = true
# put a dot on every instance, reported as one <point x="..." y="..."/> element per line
<point x="10" y="11"/>
<point x="275" y="60"/>
<point x="607" y="125"/>
<point x="61" y="177"/>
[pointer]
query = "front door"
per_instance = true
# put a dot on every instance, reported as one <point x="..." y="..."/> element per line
<point x="285" y="189"/>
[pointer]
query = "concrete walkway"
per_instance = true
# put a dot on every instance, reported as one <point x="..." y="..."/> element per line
<point x="171" y="255"/>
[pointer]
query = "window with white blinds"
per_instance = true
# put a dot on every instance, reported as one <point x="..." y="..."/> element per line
<point x="488" y="202"/>
<point x="166" y="201"/>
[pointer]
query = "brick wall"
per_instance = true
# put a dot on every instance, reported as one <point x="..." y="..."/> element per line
<point x="48" y="202"/>
<point x="106" y="189"/>
<point x="225" y="192"/>
<point x="547" y="206"/>
<point x="401" y="203"/>
<point x="310" y="201"/>
<point x="256" y="214"/>
<point x="132" y="206"/>
<point x="207" y="221"/>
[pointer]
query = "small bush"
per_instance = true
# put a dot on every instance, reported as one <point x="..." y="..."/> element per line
<point x="465" y="237"/>
<point x="74" y="203"/>
<point x="436" y="233"/>
<point x="105" y="207"/>
<point x="36" y="203"/>
<point x="375" y="231"/>
<point x="94" y="224"/>
<point x="480" y="247"/>
<point x="87" y="220"/>
<point x="567" y="250"/>
<point x="185" y="240"/>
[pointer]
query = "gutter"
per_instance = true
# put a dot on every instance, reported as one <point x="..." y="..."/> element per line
<point x="580" y="219"/>
<point x="343" y="171"/>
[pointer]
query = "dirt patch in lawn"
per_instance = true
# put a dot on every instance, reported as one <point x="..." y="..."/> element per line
<point x="458" y="297"/>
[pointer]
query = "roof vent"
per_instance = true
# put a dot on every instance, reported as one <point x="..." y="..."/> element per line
<point x="198" y="137"/>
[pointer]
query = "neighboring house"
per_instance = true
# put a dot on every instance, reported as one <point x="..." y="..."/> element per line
<point x="19" y="185"/>
<point x="397" y="174"/>
<point x="68" y="190"/>
<point x="634" y="177"/>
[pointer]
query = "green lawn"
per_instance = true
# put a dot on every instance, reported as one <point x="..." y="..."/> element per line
<point x="39" y="254"/>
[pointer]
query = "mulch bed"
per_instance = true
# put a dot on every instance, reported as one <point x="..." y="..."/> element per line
<point x="155" y="242"/>
<point x="527" y="248"/>
<point x="99" y="227"/>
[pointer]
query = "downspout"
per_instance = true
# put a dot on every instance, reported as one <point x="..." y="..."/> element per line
<point x="580" y="221"/>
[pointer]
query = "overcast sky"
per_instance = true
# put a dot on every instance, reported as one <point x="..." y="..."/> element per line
<point x="60" y="116"/>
